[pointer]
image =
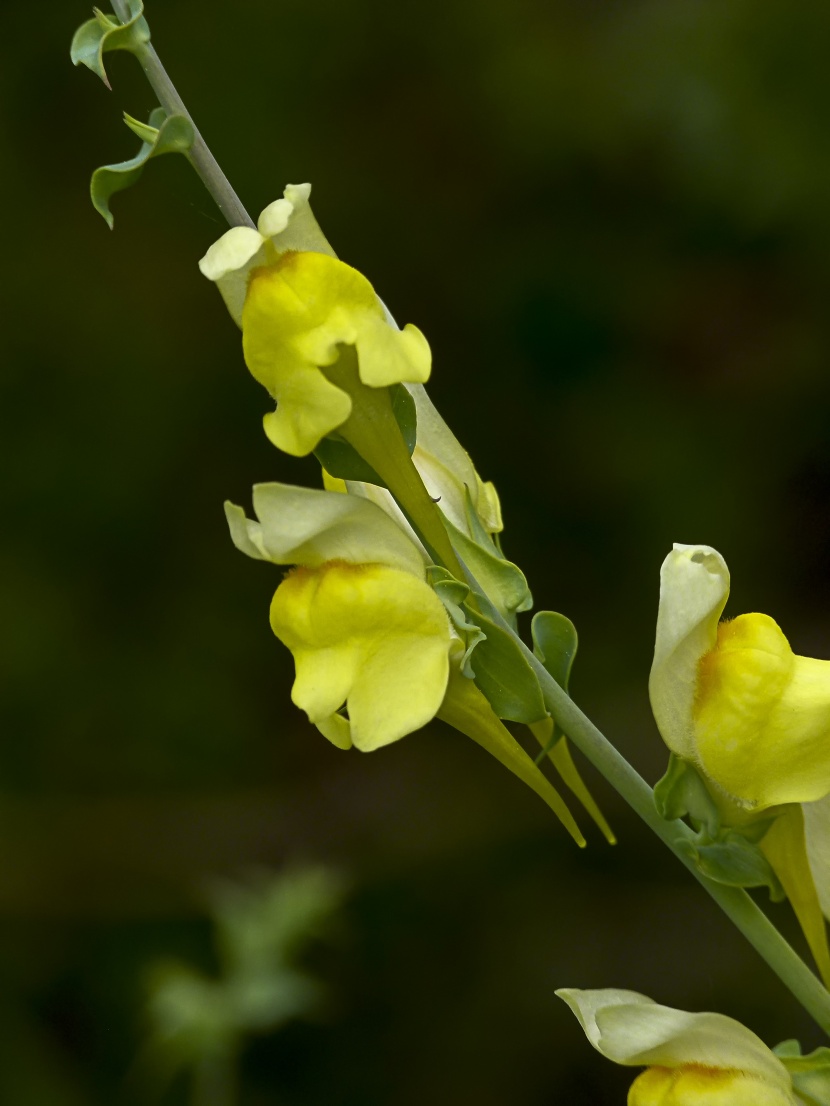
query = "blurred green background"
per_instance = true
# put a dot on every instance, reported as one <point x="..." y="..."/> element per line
<point x="612" y="221"/>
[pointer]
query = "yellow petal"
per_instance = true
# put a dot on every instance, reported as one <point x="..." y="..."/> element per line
<point x="762" y="716"/>
<point x="374" y="637"/>
<point x="337" y="729"/>
<point x="229" y="262"/>
<point x="699" y="1086"/>
<point x="298" y="314"/>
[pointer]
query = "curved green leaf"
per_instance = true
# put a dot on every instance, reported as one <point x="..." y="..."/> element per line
<point x="105" y="32"/>
<point x="165" y="134"/>
<point x="502" y="672"/>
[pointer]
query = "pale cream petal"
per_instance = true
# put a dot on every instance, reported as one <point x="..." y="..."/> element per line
<point x="229" y="262"/>
<point x="309" y="526"/>
<point x="630" y="1029"/>
<point x="694" y="586"/>
<point x="290" y="222"/>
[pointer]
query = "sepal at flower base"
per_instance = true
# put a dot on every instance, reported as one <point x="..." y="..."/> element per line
<point x="810" y="1074"/>
<point x="728" y="853"/>
<point x="691" y="1059"/>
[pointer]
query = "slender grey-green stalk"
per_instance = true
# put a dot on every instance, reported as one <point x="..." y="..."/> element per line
<point x="199" y="155"/>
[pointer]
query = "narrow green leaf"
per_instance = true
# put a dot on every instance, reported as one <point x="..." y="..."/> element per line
<point x="163" y="135"/>
<point x="104" y="33"/>
<point x="503" y="674"/>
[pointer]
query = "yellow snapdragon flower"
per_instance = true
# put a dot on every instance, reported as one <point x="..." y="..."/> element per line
<point x="732" y="696"/>
<point x="307" y="317"/>
<point x="733" y="699"/>
<point x="690" y="1059"/>
<point x="366" y="630"/>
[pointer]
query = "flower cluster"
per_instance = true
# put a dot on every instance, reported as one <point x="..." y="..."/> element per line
<point x="398" y="602"/>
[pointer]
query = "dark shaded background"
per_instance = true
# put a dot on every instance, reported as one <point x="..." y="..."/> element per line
<point x="612" y="222"/>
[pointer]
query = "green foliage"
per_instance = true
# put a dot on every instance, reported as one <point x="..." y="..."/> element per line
<point x="503" y="582"/>
<point x="555" y="643"/>
<point x="165" y="134"/>
<point x="726" y="854"/>
<point x="502" y="672"/>
<point x="810" y="1074"/>
<point x="453" y="594"/>
<point x="682" y="792"/>
<point x="262" y="928"/>
<point x="105" y="32"/>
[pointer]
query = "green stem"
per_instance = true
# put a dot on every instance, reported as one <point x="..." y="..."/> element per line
<point x="199" y="155"/>
<point x="736" y="903"/>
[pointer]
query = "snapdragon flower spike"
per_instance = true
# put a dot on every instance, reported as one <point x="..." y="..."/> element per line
<point x="690" y="1059"/>
<point x="365" y="628"/>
